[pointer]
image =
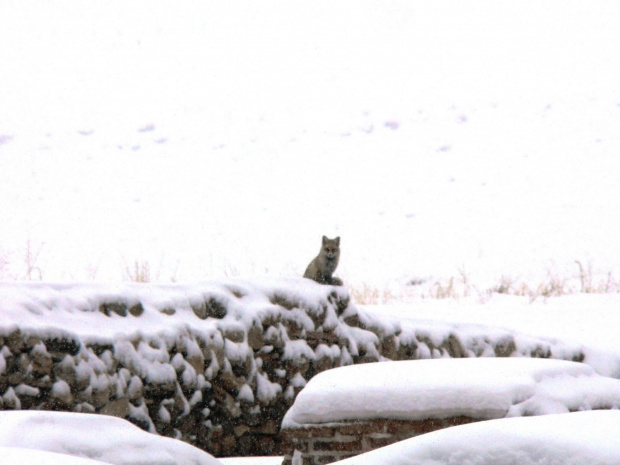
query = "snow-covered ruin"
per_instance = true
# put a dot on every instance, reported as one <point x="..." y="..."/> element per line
<point x="351" y="410"/>
<point x="215" y="364"/>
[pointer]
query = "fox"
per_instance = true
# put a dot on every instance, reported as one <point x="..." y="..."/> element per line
<point x="324" y="264"/>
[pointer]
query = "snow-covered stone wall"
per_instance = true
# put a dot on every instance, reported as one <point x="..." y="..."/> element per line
<point x="216" y="364"/>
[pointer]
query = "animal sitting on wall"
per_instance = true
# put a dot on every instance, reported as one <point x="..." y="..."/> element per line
<point x="324" y="264"/>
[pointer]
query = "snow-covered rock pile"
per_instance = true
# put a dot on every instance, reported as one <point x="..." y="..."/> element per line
<point x="354" y="409"/>
<point x="215" y="364"/>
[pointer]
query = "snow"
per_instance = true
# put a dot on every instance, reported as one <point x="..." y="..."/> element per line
<point x="200" y="141"/>
<point x="582" y="438"/>
<point x="96" y="437"/>
<point x="18" y="456"/>
<point x="209" y="140"/>
<point x="586" y="320"/>
<point x="252" y="461"/>
<point x="64" y="309"/>
<point x="484" y="388"/>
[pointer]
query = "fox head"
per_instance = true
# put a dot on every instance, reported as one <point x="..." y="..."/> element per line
<point x="331" y="248"/>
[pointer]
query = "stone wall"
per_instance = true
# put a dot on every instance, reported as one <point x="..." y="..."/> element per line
<point x="215" y="365"/>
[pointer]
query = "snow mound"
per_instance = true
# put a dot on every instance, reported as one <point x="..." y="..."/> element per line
<point x="581" y="438"/>
<point x="98" y="437"/>
<point x="483" y="388"/>
<point x="17" y="456"/>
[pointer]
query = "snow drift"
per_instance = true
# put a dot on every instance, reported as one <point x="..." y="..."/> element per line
<point x="103" y="438"/>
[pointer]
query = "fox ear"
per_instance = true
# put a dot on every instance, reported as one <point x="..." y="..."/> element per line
<point x="324" y="239"/>
<point x="337" y="240"/>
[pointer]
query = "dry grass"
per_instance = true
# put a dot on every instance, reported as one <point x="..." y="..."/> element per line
<point x="371" y="295"/>
<point x="553" y="284"/>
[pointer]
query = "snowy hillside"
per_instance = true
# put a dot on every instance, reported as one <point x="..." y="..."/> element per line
<point x="209" y="140"/>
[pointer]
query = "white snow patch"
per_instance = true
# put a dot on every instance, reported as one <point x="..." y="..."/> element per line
<point x="61" y="389"/>
<point x="266" y="391"/>
<point x="21" y="456"/>
<point x="25" y="390"/>
<point x="246" y="394"/>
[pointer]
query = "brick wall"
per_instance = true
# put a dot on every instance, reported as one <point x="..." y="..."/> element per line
<point x="329" y="443"/>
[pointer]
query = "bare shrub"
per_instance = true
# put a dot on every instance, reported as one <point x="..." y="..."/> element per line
<point x="371" y="295"/>
<point x="31" y="255"/>
<point x="140" y="272"/>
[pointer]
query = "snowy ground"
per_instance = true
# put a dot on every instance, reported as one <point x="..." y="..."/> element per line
<point x="215" y="139"/>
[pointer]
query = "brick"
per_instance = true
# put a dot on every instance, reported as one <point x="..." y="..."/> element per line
<point x="347" y="446"/>
<point x="301" y="446"/>
<point x="287" y="448"/>
<point x="375" y="443"/>
<point x="309" y="432"/>
<point x="324" y="459"/>
<point x="357" y="428"/>
<point x="405" y="427"/>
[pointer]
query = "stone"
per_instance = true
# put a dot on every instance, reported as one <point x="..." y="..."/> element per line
<point x="159" y="390"/>
<point x="116" y="408"/>
<point x="101" y="396"/>
<point x="234" y="334"/>
<point x="389" y="347"/>
<point x="255" y="337"/>
<point x="228" y="445"/>
<point x="240" y="430"/>
<point x="200" y="309"/>
<point x="63" y="345"/>
<point x="15" y="341"/>
<point x="454" y="347"/>
<point x="136" y="309"/>
<point x="505" y="347"/>
<point x="197" y="362"/>
<point x="215" y="308"/>
<point x="41" y="360"/>
<point x="107" y="308"/>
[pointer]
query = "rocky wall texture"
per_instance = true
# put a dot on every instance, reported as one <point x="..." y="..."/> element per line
<point x="216" y="365"/>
